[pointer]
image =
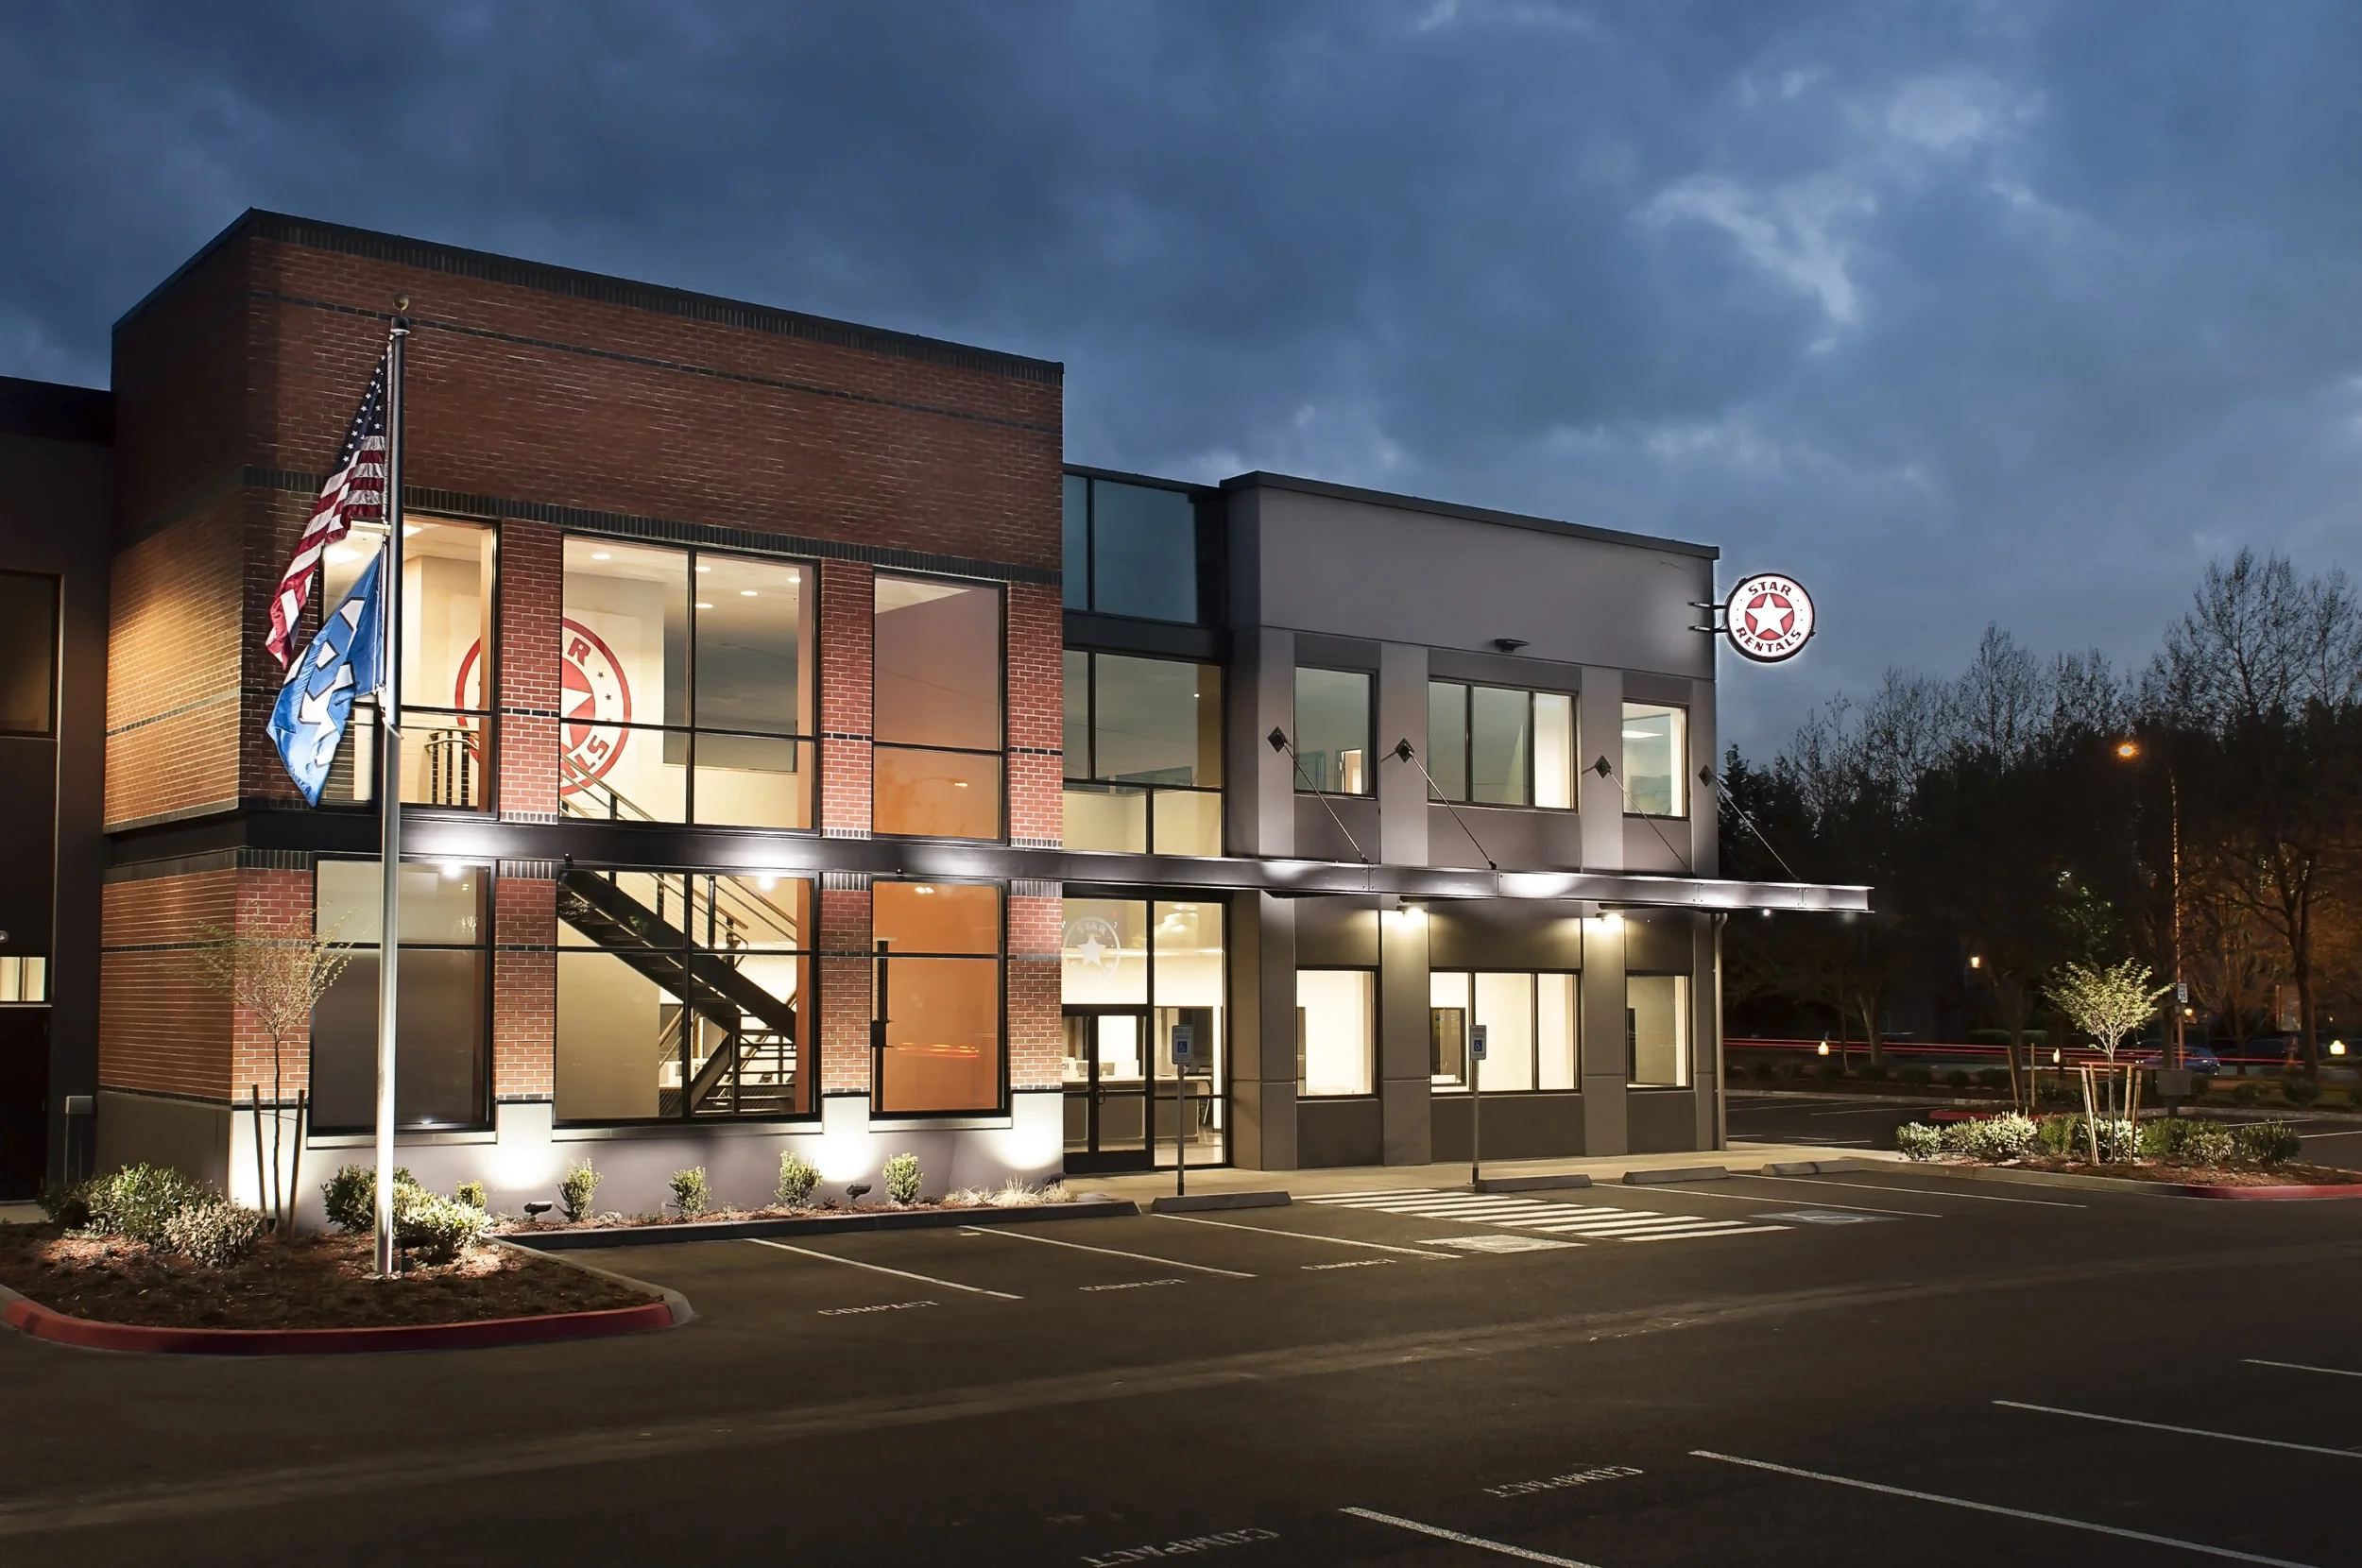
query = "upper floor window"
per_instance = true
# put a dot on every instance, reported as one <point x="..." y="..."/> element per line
<point x="28" y="654"/>
<point x="1143" y="754"/>
<point x="1332" y="737"/>
<point x="1491" y="746"/>
<point x="1657" y="744"/>
<point x="1130" y="550"/>
<point x="937" y="708"/>
<point x="686" y="685"/>
<point x="450" y="684"/>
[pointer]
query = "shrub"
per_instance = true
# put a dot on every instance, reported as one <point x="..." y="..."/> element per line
<point x="1875" y="1072"/>
<point x="438" y="1229"/>
<point x="1958" y="1077"/>
<point x="1828" y="1069"/>
<point x="1760" y="1072"/>
<point x="2053" y="1091"/>
<point x="2248" y="1092"/>
<point x="1919" y="1141"/>
<point x="472" y="1194"/>
<point x="2061" y="1134"/>
<point x="67" y="1206"/>
<point x="901" y="1178"/>
<point x="797" y="1179"/>
<point x="691" y="1195"/>
<point x="217" y="1234"/>
<point x="137" y="1200"/>
<point x="575" y="1193"/>
<point x="349" y="1197"/>
<point x="2010" y="1136"/>
<point x="2268" y="1142"/>
<point x="1993" y="1077"/>
<point x="2181" y="1140"/>
<point x="2299" y="1091"/>
<point x="1918" y="1078"/>
<point x="1788" y="1067"/>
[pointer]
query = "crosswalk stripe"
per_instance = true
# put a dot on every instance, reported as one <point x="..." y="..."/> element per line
<point x="1680" y="1235"/>
<point x="1592" y="1221"/>
<point x="1624" y="1227"/>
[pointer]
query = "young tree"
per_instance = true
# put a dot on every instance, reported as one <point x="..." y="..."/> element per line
<point x="2106" y="1004"/>
<point x="276" y="972"/>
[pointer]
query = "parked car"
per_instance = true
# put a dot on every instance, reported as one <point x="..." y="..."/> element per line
<point x="2197" y="1056"/>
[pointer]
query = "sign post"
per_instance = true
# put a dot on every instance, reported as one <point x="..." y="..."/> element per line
<point x="1476" y="1105"/>
<point x="1184" y="1049"/>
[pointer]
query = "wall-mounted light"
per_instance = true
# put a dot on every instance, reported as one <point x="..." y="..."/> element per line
<point x="1509" y="645"/>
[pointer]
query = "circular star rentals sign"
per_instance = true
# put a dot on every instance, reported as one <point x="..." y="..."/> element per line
<point x="1769" y="618"/>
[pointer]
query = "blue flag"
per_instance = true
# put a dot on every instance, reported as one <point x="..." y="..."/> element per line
<point x="344" y="660"/>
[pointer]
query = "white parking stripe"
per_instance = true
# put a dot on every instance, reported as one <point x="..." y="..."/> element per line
<point x="1111" y="1252"/>
<point x="1686" y="1235"/>
<point x="2182" y="1431"/>
<point x="1441" y="1534"/>
<point x="881" y="1269"/>
<point x="2118" y="1531"/>
<point x="1306" y="1235"/>
<point x="1815" y="1202"/>
<point x="2299" y="1366"/>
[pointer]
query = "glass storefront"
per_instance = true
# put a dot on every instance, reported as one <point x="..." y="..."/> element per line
<point x="1134" y="972"/>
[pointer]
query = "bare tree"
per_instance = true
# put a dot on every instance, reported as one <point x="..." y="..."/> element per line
<point x="277" y="971"/>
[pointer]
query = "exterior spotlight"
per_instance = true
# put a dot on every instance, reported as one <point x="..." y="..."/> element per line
<point x="2337" y="1048"/>
<point x="1509" y="645"/>
<point x="2128" y="749"/>
<point x="2056" y="1056"/>
<point x="1824" y="1050"/>
<point x="1975" y="961"/>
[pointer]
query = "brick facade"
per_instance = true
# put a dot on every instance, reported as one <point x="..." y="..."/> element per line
<point x="534" y="396"/>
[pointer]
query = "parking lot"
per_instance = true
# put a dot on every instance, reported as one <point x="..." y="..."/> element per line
<point x="1841" y="1369"/>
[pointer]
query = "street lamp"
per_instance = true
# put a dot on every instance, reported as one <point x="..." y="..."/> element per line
<point x="2130" y="751"/>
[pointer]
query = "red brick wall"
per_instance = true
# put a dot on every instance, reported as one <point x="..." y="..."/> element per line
<point x="531" y="584"/>
<point x="160" y="1029"/>
<point x="848" y="604"/>
<point x="173" y="717"/>
<point x="1035" y="1033"/>
<point x="845" y="990"/>
<point x="1036" y="714"/>
<point x="524" y="988"/>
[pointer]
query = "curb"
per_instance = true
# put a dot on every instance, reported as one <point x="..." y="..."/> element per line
<point x="32" y="1319"/>
<point x="1812" y="1168"/>
<point x="879" y="1220"/>
<point x="1191" y="1202"/>
<point x="2119" y="1184"/>
<point x="1533" y="1183"/>
<point x="1686" y="1173"/>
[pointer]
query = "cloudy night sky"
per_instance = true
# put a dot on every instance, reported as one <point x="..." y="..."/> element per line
<point x="1960" y="313"/>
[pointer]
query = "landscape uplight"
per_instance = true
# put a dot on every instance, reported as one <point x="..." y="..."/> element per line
<point x="1824" y="1048"/>
<point x="1975" y="961"/>
<point x="2337" y="1048"/>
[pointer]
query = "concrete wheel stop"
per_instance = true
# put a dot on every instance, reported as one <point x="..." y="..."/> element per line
<point x="1683" y="1173"/>
<point x="1531" y="1183"/>
<point x="1810" y="1168"/>
<point x="1195" y="1201"/>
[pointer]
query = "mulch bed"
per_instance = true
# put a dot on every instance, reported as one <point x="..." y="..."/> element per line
<point x="312" y="1282"/>
<point x="529" y="1228"/>
<point x="2189" y="1175"/>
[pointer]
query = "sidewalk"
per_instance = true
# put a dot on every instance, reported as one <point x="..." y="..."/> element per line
<point x="1604" y="1170"/>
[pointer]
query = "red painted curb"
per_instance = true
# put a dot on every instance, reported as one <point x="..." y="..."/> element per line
<point x="2349" y="1189"/>
<point x="42" y="1323"/>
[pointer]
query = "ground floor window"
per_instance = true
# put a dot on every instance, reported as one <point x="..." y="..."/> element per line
<point x="1656" y="1029"/>
<point x="683" y="995"/>
<point x="444" y="1077"/>
<point x="1529" y="1023"/>
<point x="935" y="1037"/>
<point x="1336" y="1032"/>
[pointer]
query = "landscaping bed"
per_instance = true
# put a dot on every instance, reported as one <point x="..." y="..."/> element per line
<point x="2291" y="1175"/>
<point x="2188" y="1153"/>
<point x="311" y="1282"/>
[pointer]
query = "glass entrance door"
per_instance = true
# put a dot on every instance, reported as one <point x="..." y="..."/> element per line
<point x="1105" y="1073"/>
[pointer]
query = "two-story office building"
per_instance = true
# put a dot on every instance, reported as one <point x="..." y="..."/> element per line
<point x="799" y="755"/>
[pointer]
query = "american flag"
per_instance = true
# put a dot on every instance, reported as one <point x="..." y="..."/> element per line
<point x="355" y="492"/>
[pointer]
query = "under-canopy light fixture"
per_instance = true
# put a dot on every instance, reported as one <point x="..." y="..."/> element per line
<point x="1509" y="645"/>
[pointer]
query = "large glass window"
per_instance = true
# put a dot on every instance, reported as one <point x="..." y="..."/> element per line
<point x="937" y="690"/>
<point x="1657" y="744"/>
<point x="1143" y="754"/>
<point x="1332" y="737"/>
<point x="683" y="996"/>
<point x="1529" y="1023"/>
<point x="1163" y="960"/>
<point x="935" y="1041"/>
<point x="1336" y="1032"/>
<point x="686" y="687"/>
<point x="1130" y="550"/>
<point x="1656" y="1029"/>
<point x="1488" y="745"/>
<point x="445" y="1000"/>
<point x="449" y="684"/>
<point x="28" y="654"/>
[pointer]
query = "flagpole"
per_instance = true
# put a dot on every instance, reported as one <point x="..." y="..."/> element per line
<point x="389" y="795"/>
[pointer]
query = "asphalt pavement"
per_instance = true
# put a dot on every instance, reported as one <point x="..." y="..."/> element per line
<point x="1828" y="1369"/>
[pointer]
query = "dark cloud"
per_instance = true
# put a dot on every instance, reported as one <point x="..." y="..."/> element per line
<point x="1969" y="313"/>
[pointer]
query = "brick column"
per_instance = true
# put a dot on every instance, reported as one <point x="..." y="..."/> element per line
<point x="1036" y="717"/>
<point x="847" y="608"/>
<point x="1035" y="1031"/>
<point x="844" y="989"/>
<point x="532" y="603"/>
<point x="524" y="988"/>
